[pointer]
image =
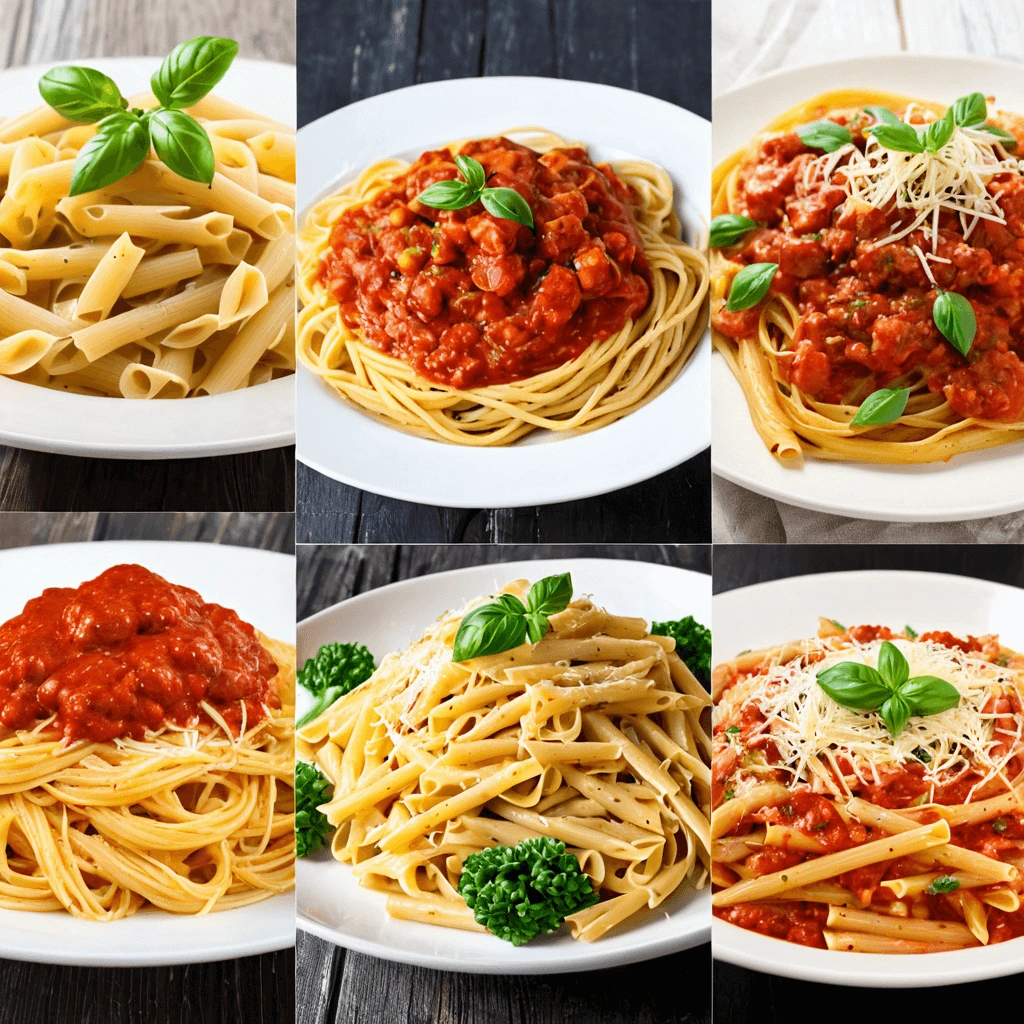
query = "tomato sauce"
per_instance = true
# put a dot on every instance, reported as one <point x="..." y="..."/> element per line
<point x="865" y="312"/>
<point x="469" y="299"/>
<point x="127" y="653"/>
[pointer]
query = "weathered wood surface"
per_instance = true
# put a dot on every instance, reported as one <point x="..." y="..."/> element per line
<point x="742" y="996"/>
<point x="257" y="990"/>
<point x="334" y="986"/>
<point x="350" y="49"/>
<point x="37" y="31"/>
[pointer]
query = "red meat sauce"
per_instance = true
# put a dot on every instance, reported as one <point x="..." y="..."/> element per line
<point x="469" y="299"/>
<point x="126" y="653"/>
<point x="813" y="814"/>
<point x="866" y="313"/>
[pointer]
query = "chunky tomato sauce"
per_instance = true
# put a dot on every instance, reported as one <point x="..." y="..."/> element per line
<point x="126" y="653"/>
<point x="866" y="313"/>
<point x="898" y="786"/>
<point x="469" y="299"/>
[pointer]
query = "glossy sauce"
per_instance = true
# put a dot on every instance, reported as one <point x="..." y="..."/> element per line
<point x="469" y="299"/>
<point x="126" y="653"/>
<point x="866" y="313"/>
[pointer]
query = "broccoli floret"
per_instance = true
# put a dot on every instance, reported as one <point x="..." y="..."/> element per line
<point x="336" y="669"/>
<point x="311" y="826"/>
<point x="693" y="644"/>
<point x="519" y="892"/>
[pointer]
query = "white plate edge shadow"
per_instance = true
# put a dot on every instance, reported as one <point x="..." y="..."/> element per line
<point x="524" y="474"/>
<point x="263" y="927"/>
<point x="38" y="419"/>
<point x="543" y="956"/>
<point x="751" y="950"/>
<point x="738" y="454"/>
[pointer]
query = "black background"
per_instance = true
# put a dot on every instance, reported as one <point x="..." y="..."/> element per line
<point x="351" y="49"/>
<point x="742" y="996"/>
<point x="334" y="986"/>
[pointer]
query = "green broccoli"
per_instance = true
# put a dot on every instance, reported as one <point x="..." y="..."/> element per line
<point x="336" y="669"/>
<point x="519" y="892"/>
<point x="311" y="825"/>
<point x="693" y="644"/>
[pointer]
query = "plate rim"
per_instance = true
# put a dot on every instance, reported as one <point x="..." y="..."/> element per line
<point x="579" y="960"/>
<point x="698" y="364"/>
<point x="925" y="511"/>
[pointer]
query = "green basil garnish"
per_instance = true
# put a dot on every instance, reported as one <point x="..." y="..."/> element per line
<point x="883" y="115"/>
<point x="81" y="94"/>
<point x="750" y="286"/>
<point x="901" y="137"/>
<point x="887" y="689"/>
<point x="453" y="194"/>
<point x="728" y="229"/>
<point x="119" y="146"/>
<point x="123" y="137"/>
<point x="999" y="826"/>
<point x="192" y="69"/>
<point x="880" y="407"/>
<point x="1009" y="141"/>
<point x="955" y="320"/>
<point x="969" y="111"/>
<point x="826" y="135"/>
<point x="506" y="622"/>
<point x="910" y="631"/>
<point x="935" y="135"/>
<point x="944" y="883"/>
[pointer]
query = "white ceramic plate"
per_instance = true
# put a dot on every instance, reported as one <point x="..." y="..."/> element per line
<point x="260" y="586"/>
<point x="770" y="613"/>
<point x="971" y="486"/>
<point x="333" y="906"/>
<point x="244" y="421"/>
<point x="615" y="124"/>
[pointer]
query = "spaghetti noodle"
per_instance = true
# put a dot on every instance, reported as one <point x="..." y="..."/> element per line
<point x="464" y="327"/>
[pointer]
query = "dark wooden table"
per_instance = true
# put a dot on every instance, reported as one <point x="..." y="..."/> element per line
<point x="742" y="996"/>
<point x="37" y="31"/>
<point x="256" y="990"/>
<point x="334" y="986"/>
<point x="351" y="49"/>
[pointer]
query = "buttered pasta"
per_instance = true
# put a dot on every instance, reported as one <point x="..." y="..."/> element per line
<point x="591" y="736"/>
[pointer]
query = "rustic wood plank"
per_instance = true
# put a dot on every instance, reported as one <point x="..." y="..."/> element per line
<point x="38" y="31"/>
<point x="989" y="28"/>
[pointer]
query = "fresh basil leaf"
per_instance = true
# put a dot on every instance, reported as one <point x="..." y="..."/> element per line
<point x="472" y="170"/>
<point x="955" y="319"/>
<point x="182" y="143"/>
<point x="880" y="407"/>
<point x="81" y="94"/>
<point x="1009" y="141"/>
<point x="854" y="686"/>
<point x="449" y="195"/>
<point x="942" y="884"/>
<point x="883" y="115"/>
<point x="729" y="228"/>
<point x="929" y="695"/>
<point x="938" y="133"/>
<point x="911" y="632"/>
<point x="922" y="755"/>
<point x="895" y="712"/>
<point x="900" y="137"/>
<point x="491" y="628"/>
<point x="507" y="203"/>
<point x="537" y="626"/>
<point x="120" y="145"/>
<point x="192" y="69"/>
<point x="892" y="665"/>
<point x="969" y="110"/>
<point x="750" y="286"/>
<point x="550" y="595"/>
<point x="826" y="135"/>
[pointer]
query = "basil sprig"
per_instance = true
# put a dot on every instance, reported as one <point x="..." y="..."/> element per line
<point x="942" y="884"/>
<point x="967" y="112"/>
<point x="955" y="319"/>
<point x="123" y="137"/>
<point x="729" y="228"/>
<point x="1008" y="141"/>
<point x="901" y="137"/>
<point x="750" y="285"/>
<point x="506" y="622"/>
<point x="826" y="135"/>
<point x="883" y="115"/>
<point x="453" y="194"/>
<point x="880" y="407"/>
<point x="889" y="690"/>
